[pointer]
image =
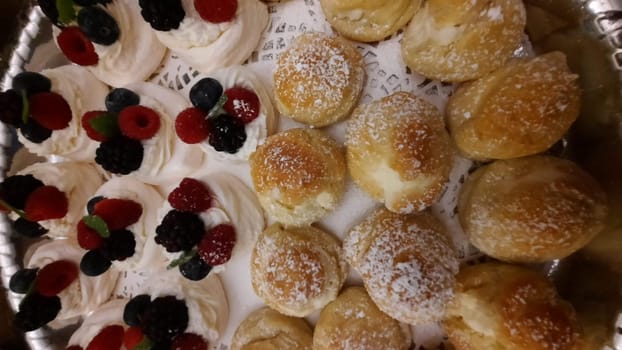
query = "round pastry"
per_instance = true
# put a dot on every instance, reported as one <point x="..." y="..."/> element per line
<point x="266" y="329"/>
<point x="462" y="40"/>
<point x="232" y="113"/>
<point x="353" y="321"/>
<point x="208" y="35"/>
<point x="297" y="270"/>
<point x="406" y="262"/>
<point x="531" y="209"/>
<point x="318" y="79"/>
<point x="105" y="317"/>
<point x="51" y="196"/>
<point x="107" y="37"/>
<point x="299" y="175"/>
<point x="368" y="21"/>
<point x="399" y="152"/>
<point x="498" y="306"/>
<point x="518" y="110"/>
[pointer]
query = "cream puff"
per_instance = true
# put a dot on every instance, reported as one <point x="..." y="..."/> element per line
<point x="266" y="329"/>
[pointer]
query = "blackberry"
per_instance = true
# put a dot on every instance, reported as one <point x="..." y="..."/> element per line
<point x="162" y="15"/>
<point x="35" y="311"/>
<point x="195" y="269"/>
<point x="49" y="9"/>
<point x="94" y="263"/>
<point x="98" y="25"/>
<point x="16" y="189"/>
<point x="164" y="318"/>
<point x="32" y="83"/>
<point x="119" y="246"/>
<point x="22" y="280"/>
<point x="119" y="98"/>
<point x="120" y="155"/>
<point x="228" y="134"/>
<point x="90" y="205"/>
<point x="34" y="132"/>
<point x="134" y="309"/>
<point x="28" y="228"/>
<point x="179" y="230"/>
<point x="11" y="108"/>
<point x="205" y="94"/>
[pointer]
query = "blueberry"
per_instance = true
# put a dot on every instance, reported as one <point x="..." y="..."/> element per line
<point x="16" y="189"/>
<point x="34" y="132"/>
<point x="98" y="25"/>
<point x="28" y="228"/>
<point x="205" y="93"/>
<point x="90" y="206"/>
<point x="22" y="280"/>
<point x="94" y="263"/>
<point x="134" y="309"/>
<point x="11" y="107"/>
<point x="31" y="82"/>
<point x="228" y="134"/>
<point x="195" y="269"/>
<point x="120" y="98"/>
<point x="35" y="311"/>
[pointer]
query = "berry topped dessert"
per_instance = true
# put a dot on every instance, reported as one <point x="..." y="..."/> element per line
<point x="46" y="107"/>
<point x="119" y="227"/>
<point x="207" y="34"/>
<point x="47" y="198"/>
<point x="207" y="221"/>
<point x="107" y="36"/>
<point x="231" y="115"/>
<point x="56" y="293"/>
<point x="104" y="329"/>
<point x="136" y="134"/>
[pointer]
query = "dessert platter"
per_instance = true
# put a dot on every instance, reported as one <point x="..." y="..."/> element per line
<point x="314" y="174"/>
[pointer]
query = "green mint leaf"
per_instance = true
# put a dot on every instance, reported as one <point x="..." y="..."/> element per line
<point x="106" y="124"/>
<point x="25" y="107"/>
<point x="144" y="344"/>
<point x="98" y="224"/>
<point x="66" y="11"/>
<point x="20" y="213"/>
<point x="182" y="259"/>
<point x="218" y="107"/>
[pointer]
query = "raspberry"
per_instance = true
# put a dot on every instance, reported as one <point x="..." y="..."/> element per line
<point x="216" y="11"/>
<point x="120" y="155"/>
<point x="36" y="310"/>
<point x="189" y="341"/>
<point x="87" y="237"/>
<point x="179" y="230"/>
<point x="46" y="202"/>
<point x="139" y="122"/>
<point x="164" y="318"/>
<point x="86" y="125"/>
<point x="217" y="245"/>
<point x="50" y="110"/>
<point x="191" y="126"/>
<point x="118" y="213"/>
<point x="77" y="47"/>
<point x="191" y="195"/>
<point x="242" y="104"/>
<point x="109" y="338"/>
<point x="132" y="337"/>
<point x="54" y="277"/>
<point x="16" y="189"/>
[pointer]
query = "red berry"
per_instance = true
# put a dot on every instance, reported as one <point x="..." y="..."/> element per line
<point x="109" y="338"/>
<point x="191" y="195"/>
<point x="118" y="213"/>
<point x="45" y="203"/>
<point x="88" y="238"/>
<point x="86" y="125"/>
<point x="133" y="336"/>
<point x="74" y="347"/>
<point x="139" y="122"/>
<point x="216" y="11"/>
<point x="191" y="125"/>
<point x="77" y="47"/>
<point x="189" y="341"/>
<point x="242" y="104"/>
<point x="54" y="277"/>
<point x="217" y="244"/>
<point x="50" y="109"/>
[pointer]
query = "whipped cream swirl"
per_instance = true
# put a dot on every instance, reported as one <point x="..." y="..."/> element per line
<point x="109" y="314"/>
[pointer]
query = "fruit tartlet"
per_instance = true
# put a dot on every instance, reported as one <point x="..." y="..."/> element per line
<point x="137" y="135"/>
<point x="208" y="34"/>
<point x="47" y="198"/>
<point x="106" y="36"/>
<point x="118" y="228"/>
<point x="206" y="221"/>
<point x="56" y="293"/>
<point x="45" y="109"/>
<point x="232" y="113"/>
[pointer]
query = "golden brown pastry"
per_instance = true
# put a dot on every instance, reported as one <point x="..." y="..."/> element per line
<point x="368" y="20"/>
<point x="299" y="175"/>
<point x="407" y="264"/>
<point x="460" y="40"/>
<point x="353" y="321"/>
<point x="266" y="329"/>
<point x="531" y="209"/>
<point x="318" y="79"/>
<point x="297" y="270"/>
<point x="518" y="110"/>
<point x="505" y="307"/>
<point x="399" y="152"/>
